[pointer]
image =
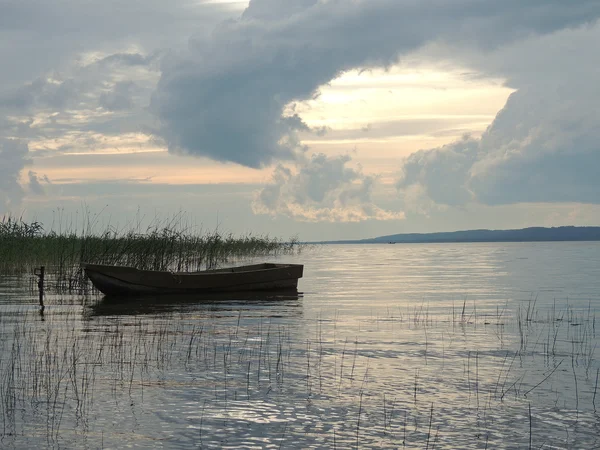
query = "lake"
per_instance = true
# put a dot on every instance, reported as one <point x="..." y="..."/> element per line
<point x="388" y="346"/>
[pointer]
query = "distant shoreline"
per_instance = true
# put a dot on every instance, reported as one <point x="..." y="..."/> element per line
<point x="532" y="234"/>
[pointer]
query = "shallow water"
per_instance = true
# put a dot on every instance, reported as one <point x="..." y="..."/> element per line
<point x="415" y="346"/>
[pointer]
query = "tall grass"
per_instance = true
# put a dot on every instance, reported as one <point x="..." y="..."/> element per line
<point x="164" y="245"/>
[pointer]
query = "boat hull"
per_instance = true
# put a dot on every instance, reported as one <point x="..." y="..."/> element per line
<point x="118" y="280"/>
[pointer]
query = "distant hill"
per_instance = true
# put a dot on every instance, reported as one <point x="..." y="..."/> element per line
<point x="533" y="234"/>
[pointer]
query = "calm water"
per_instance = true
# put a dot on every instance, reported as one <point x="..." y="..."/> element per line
<point x="390" y="346"/>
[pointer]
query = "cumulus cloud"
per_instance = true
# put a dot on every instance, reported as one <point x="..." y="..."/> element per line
<point x="543" y="146"/>
<point x="226" y="98"/>
<point x="321" y="189"/>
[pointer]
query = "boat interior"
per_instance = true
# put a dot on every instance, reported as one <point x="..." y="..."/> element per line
<point x="249" y="268"/>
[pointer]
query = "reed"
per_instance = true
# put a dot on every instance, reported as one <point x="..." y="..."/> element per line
<point x="164" y="245"/>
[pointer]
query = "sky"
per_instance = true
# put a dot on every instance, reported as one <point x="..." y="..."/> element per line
<point x="322" y="119"/>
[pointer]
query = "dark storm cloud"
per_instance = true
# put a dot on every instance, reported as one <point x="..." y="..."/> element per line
<point x="443" y="171"/>
<point x="226" y="99"/>
<point x="543" y="146"/>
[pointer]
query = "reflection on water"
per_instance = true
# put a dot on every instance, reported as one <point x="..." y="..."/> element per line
<point x="417" y="346"/>
<point x="265" y="302"/>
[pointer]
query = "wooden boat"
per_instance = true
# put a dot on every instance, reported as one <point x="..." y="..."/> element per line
<point x="120" y="280"/>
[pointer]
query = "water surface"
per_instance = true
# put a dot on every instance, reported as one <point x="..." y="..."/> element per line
<point x="412" y="346"/>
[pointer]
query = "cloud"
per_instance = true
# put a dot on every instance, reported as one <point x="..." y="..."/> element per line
<point x="84" y="85"/>
<point x="441" y="173"/>
<point x="226" y="98"/>
<point x="36" y="183"/>
<point x="88" y="106"/>
<point x="91" y="68"/>
<point x="119" y="97"/>
<point x="543" y="146"/>
<point x="321" y="189"/>
<point x="53" y="33"/>
<point x="69" y="66"/>
<point x="73" y="74"/>
<point x="43" y="92"/>
<point x="14" y="157"/>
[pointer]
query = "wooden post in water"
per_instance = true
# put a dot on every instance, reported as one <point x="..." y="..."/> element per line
<point x="41" y="273"/>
